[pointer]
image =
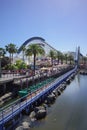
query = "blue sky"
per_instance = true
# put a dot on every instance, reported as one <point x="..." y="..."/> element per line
<point x="62" y="23"/>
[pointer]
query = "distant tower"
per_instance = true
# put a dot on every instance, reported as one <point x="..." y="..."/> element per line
<point x="77" y="56"/>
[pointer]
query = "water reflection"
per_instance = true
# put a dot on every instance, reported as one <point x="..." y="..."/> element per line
<point x="78" y="79"/>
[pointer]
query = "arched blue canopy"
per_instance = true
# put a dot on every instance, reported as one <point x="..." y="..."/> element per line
<point x="29" y="40"/>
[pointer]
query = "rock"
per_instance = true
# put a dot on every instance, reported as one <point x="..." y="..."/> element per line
<point x="55" y="93"/>
<point x="51" y="98"/>
<point x="59" y="92"/>
<point x="32" y="114"/>
<point x="72" y="76"/>
<point x="1" y="102"/>
<point x="36" y="109"/>
<point x="68" y="81"/>
<point x="33" y="119"/>
<point x="64" y="84"/>
<point x="45" y="106"/>
<point x="26" y="125"/>
<point x="41" y="114"/>
<point x="62" y="87"/>
<point x="45" y="101"/>
<point x="19" y="128"/>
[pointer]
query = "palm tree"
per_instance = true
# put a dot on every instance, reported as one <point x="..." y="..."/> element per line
<point x="66" y="57"/>
<point x="34" y="49"/>
<point x="61" y="57"/>
<point x="23" y="50"/>
<point x="70" y="58"/>
<point x="12" y="49"/>
<point x="2" y="53"/>
<point x="58" y="55"/>
<point x="52" y="55"/>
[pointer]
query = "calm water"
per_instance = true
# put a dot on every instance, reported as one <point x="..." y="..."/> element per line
<point x="69" y="112"/>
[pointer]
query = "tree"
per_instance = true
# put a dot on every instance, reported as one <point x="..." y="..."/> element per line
<point x="52" y="55"/>
<point x="20" y="64"/>
<point x="70" y="58"/>
<point x="66" y="57"/>
<point x="11" y="49"/>
<point x="2" y="57"/>
<point x="23" y="51"/>
<point x="2" y="52"/>
<point x="61" y="57"/>
<point x="11" y="67"/>
<point x="5" y="61"/>
<point x="58" y="55"/>
<point x="34" y="49"/>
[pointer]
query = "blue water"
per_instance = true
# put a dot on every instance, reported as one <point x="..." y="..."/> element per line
<point x="69" y="112"/>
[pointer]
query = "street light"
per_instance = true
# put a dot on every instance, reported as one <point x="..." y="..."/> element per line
<point x="1" y="55"/>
